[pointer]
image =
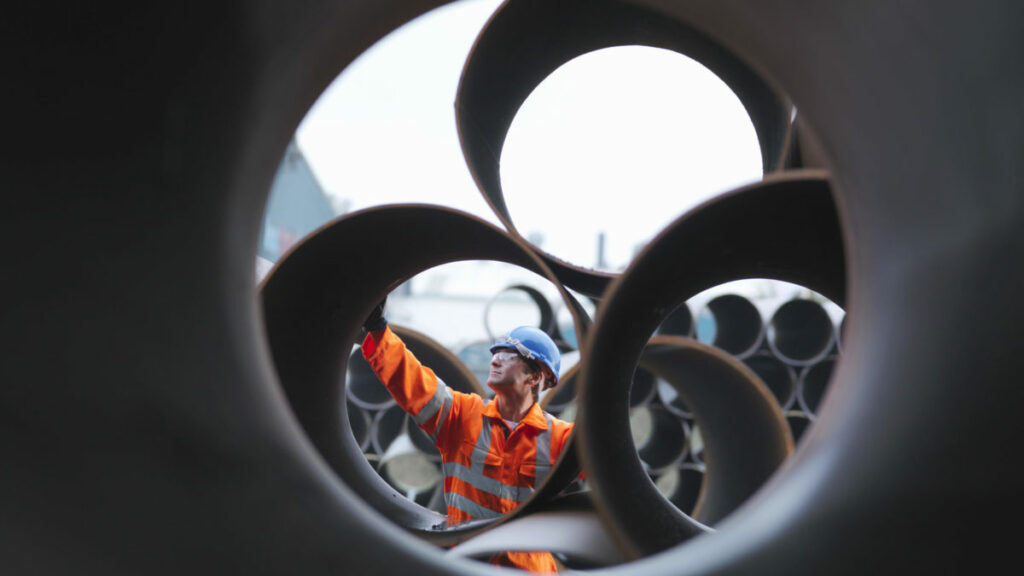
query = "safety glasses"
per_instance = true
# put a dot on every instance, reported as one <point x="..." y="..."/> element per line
<point x="504" y="356"/>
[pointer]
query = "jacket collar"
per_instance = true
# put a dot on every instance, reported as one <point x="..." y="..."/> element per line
<point x="535" y="417"/>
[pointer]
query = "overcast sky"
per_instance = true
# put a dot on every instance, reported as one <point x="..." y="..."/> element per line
<point x="621" y="140"/>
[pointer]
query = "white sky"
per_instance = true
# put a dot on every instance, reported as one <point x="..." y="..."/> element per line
<point x="621" y="140"/>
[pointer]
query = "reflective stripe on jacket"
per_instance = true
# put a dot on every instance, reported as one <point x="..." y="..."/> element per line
<point x="488" y="469"/>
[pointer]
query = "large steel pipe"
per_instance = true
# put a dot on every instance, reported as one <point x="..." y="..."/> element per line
<point x="526" y="40"/>
<point x="678" y="323"/>
<point x="814" y="382"/>
<point x="313" y="309"/>
<point x="893" y="131"/>
<point x="183" y="456"/>
<point x="659" y="435"/>
<point x="806" y="250"/>
<point x="738" y="326"/>
<point x="800" y="332"/>
<point x="547" y="321"/>
<point x="780" y="378"/>
<point x="744" y="433"/>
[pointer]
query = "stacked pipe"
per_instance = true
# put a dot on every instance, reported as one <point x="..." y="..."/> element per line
<point x="161" y="420"/>
<point x="792" y="351"/>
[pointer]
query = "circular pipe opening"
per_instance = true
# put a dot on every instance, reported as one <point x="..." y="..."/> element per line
<point x="672" y="400"/>
<point x="776" y="374"/>
<point x="682" y="485"/>
<point x="660" y="436"/>
<point x="814" y="382"/>
<point x="732" y="323"/>
<point x="678" y="323"/>
<point x="800" y="332"/>
<point x="621" y="118"/>
<point x="477" y="358"/>
<point x="799" y="422"/>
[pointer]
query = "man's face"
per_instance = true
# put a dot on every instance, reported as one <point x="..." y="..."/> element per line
<point x="510" y="373"/>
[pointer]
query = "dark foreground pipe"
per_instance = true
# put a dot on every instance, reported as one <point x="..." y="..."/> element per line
<point x="744" y="433"/>
<point x="313" y="309"/>
<point x="526" y="40"/>
<point x="806" y="250"/>
<point x="143" y="430"/>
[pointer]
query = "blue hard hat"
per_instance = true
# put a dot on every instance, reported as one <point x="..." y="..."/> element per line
<point x="532" y="343"/>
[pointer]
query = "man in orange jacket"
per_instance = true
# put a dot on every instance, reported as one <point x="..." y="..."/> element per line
<point x="494" y="453"/>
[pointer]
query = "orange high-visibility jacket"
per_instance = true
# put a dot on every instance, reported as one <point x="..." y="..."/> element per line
<point x="488" y="469"/>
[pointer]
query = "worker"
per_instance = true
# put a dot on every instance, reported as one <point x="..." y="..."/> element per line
<point x="494" y="453"/>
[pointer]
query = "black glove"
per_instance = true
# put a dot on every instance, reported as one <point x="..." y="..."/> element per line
<point x="376" y="321"/>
